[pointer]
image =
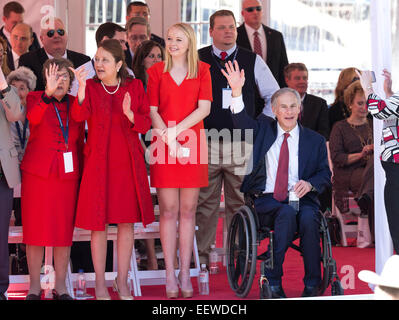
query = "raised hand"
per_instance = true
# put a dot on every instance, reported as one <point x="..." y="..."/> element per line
<point x="387" y="83"/>
<point x="235" y="77"/>
<point x="80" y="75"/>
<point x="126" y="106"/>
<point x="51" y="79"/>
<point x="366" y="81"/>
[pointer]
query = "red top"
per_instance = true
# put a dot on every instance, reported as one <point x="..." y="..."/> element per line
<point x="46" y="141"/>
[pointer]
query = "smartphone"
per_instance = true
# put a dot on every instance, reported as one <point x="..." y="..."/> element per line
<point x="372" y="76"/>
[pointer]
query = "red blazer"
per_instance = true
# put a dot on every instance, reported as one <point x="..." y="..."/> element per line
<point x="96" y="109"/>
<point x="46" y="142"/>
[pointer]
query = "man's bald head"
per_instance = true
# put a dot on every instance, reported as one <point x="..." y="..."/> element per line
<point x="54" y="37"/>
<point x="21" y="38"/>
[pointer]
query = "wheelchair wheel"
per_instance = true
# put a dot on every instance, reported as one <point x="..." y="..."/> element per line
<point x="328" y="263"/>
<point x="242" y="251"/>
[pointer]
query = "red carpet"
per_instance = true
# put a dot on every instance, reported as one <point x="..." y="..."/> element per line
<point x="350" y="260"/>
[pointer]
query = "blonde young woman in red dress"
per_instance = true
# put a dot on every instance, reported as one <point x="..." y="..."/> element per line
<point x="180" y="93"/>
<point x="114" y="187"/>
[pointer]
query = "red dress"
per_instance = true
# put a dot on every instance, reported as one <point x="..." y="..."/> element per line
<point x="174" y="104"/>
<point x="48" y="194"/>
<point x="114" y="186"/>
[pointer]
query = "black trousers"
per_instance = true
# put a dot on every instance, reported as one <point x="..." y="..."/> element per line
<point x="6" y="199"/>
<point x="391" y="195"/>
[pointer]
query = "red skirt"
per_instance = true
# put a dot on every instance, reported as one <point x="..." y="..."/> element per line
<point x="48" y="209"/>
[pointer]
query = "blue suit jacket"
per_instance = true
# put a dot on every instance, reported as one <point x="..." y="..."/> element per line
<point x="312" y="155"/>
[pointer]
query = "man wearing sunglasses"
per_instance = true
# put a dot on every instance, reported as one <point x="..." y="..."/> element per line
<point x="54" y="39"/>
<point x="267" y="42"/>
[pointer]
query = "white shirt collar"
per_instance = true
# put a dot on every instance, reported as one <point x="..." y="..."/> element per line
<point x="7" y="34"/>
<point x="217" y="51"/>
<point x="250" y="30"/>
<point x="294" y="133"/>
<point x="51" y="57"/>
<point x="15" y="55"/>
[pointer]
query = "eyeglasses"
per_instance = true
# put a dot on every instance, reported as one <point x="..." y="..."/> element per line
<point x="64" y="76"/>
<point x="250" y="9"/>
<point x="51" y="32"/>
<point x="141" y="37"/>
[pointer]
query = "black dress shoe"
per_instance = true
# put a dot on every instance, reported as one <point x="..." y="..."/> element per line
<point x="277" y="292"/>
<point x="310" y="292"/>
<point x="63" y="296"/>
<point x="33" y="296"/>
<point x="3" y="296"/>
<point x="364" y="203"/>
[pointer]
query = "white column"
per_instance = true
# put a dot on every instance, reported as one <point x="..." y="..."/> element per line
<point x="381" y="58"/>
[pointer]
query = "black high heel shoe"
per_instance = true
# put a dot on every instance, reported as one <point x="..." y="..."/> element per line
<point x="63" y="296"/>
<point x="33" y="296"/>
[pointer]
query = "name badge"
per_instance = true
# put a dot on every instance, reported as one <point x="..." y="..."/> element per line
<point x="185" y="152"/>
<point x="226" y="98"/>
<point x="68" y="162"/>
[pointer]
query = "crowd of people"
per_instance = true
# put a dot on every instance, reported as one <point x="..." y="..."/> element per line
<point x="83" y="133"/>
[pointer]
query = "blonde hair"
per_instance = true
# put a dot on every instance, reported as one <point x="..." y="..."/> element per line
<point x="350" y="93"/>
<point x="346" y="77"/>
<point x="192" y="54"/>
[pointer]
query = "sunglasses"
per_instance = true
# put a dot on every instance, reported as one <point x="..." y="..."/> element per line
<point x="51" y="32"/>
<point x="250" y="9"/>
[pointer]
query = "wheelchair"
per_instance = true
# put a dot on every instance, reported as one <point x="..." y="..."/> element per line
<point x="245" y="234"/>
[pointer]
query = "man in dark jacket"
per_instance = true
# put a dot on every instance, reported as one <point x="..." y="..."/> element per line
<point x="54" y="38"/>
<point x="289" y="162"/>
<point x="265" y="41"/>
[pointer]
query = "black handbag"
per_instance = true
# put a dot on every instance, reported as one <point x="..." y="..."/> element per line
<point x="334" y="228"/>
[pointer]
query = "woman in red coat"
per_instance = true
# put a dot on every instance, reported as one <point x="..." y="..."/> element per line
<point x="180" y="93"/>
<point x="114" y="187"/>
<point x="51" y="173"/>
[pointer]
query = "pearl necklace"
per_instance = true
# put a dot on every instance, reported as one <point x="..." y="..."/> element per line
<point x="117" y="88"/>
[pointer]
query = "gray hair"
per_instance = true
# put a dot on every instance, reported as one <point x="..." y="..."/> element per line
<point x="282" y="91"/>
<point x="23" y="74"/>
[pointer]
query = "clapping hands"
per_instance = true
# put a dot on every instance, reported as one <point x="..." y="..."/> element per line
<point x="126" y="106"/>
<point x="80" y="75"/>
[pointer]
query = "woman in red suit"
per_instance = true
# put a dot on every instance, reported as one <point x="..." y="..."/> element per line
<point x="51" y="172"/>
<point x="180" y="93"/>
<point x="114" y="187"/>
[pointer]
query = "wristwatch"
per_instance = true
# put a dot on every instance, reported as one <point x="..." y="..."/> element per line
<point x="3" y="92"/>
<point x="313" y="189"/>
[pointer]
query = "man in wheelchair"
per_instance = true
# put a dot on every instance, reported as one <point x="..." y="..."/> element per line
<point x="289" y="161"/>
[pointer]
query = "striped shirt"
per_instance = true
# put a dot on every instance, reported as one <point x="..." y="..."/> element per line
<point x="388" y="111"/>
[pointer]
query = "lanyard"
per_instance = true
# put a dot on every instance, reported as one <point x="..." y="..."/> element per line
<point x="22" y="137"/>
<point x="218" y="63"/>
<point x="65" y="130"/>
